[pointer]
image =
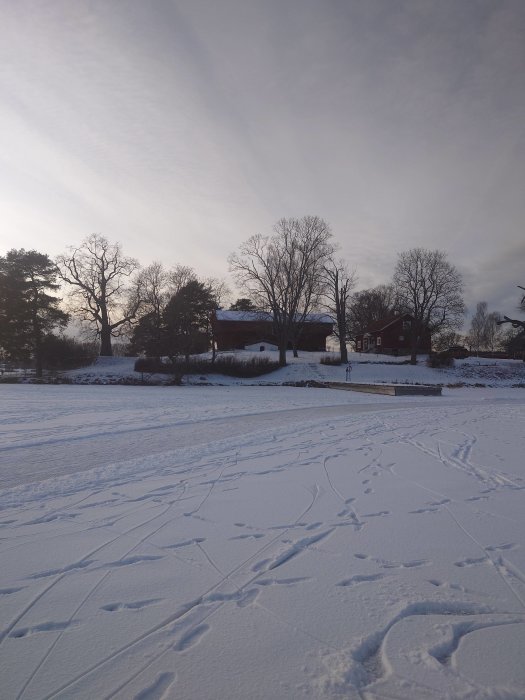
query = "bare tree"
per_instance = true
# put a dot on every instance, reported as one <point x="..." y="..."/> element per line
<point x="148" y="332"/>
<point x="493" y="334"/>
<point x="98" y="273"/>
<point x="430" y="289"/>
<point x="484" y="333"/>
<point x="179" y="277"/>
<point x="446" y="339"/>
<point x="369" y="306"/>
<point x="338" y="289"/>
<point x="220" y="290"/>
<point x="477" y="332"/>
<point x="284" y="273"/>
<point x="516" y="323"/>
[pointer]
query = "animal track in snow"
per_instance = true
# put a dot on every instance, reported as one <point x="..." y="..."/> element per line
<point x="254" y="536"/>
<point x="379" y="514"/>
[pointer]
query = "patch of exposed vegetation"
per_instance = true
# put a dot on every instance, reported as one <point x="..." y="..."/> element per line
<point x="229" y="366"/>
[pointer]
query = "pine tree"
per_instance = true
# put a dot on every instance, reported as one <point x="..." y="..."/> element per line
<point x="28" y="307"/>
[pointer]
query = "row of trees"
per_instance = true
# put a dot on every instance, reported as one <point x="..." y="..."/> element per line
<point x="295" y="271"/>
<point x="162" y="312"/>
<point x="167" y="312"/>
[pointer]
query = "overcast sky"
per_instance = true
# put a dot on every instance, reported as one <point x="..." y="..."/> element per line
<point x="182" y="127"/>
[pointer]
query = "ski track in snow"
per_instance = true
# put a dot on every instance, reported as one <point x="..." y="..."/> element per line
<point x="371" y="548"/>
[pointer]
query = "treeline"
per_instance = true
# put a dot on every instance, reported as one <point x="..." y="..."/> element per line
<point x="166" y="312"/>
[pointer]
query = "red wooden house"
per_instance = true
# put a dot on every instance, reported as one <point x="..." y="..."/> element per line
<point x="391" y="336"/>
<point x="235" y="330"/>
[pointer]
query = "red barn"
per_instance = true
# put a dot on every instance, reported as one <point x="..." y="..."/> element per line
<point x="391" y="336"/>
<point x="235" y="330"/>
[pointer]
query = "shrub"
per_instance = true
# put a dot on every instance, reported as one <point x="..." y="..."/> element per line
<point x="63" y="352"/>
<point x="440" y="359"/>
<point x="332" y="360"/>
<point x="230" y="366"/>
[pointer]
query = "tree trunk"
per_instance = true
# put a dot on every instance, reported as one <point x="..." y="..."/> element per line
<point x="105" y="342"/>
<point x="343" y="350"/>
<point x="413" y="348"/>
<point x="38" y="362"/>
<point x="282" y="354"/>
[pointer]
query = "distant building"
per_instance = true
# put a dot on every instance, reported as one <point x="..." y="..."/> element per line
<point x="239" y="330"/>
<point x="391" y="336"/>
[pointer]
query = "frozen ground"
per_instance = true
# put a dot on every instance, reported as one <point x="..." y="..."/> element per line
<point x="261" y="542"/>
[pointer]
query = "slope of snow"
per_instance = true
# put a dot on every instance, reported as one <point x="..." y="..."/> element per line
<point x="261" y="542"/>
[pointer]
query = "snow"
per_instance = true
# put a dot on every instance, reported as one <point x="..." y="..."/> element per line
<point x="227" y="315"/>
<point x="365" y="368"/>
<point x="260" y="542"/>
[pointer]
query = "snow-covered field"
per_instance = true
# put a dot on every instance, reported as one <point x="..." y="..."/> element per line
<point x="261" y="542"/>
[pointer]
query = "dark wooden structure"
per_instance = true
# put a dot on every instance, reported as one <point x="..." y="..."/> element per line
<point x="235" y="330"/>
<point x="391" y="336"/>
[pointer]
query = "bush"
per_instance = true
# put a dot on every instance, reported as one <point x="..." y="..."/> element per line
<point x="440" y="359"/>
<point x="62" y="352"/>
<point x="229" y="366"/>
<point x="332" y="360"/>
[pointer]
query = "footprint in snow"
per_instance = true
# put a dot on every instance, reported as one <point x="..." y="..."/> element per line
<point x="44" y="627"/>
<point x="471" y="561"/>
<point x="136" y="605"/>
<point x="358" y="578"/>
<point x="501" y="547"/>
<point x="191" y="638"/>
<point x="158" y="690"/>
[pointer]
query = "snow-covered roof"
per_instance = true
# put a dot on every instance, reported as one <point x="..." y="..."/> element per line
<point x="227" y="315"/>
<point x="383" y="323"/>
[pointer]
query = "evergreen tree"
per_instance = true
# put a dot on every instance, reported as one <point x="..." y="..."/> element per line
<point x="28" y="307"/>
<point x="187" y="319"/>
